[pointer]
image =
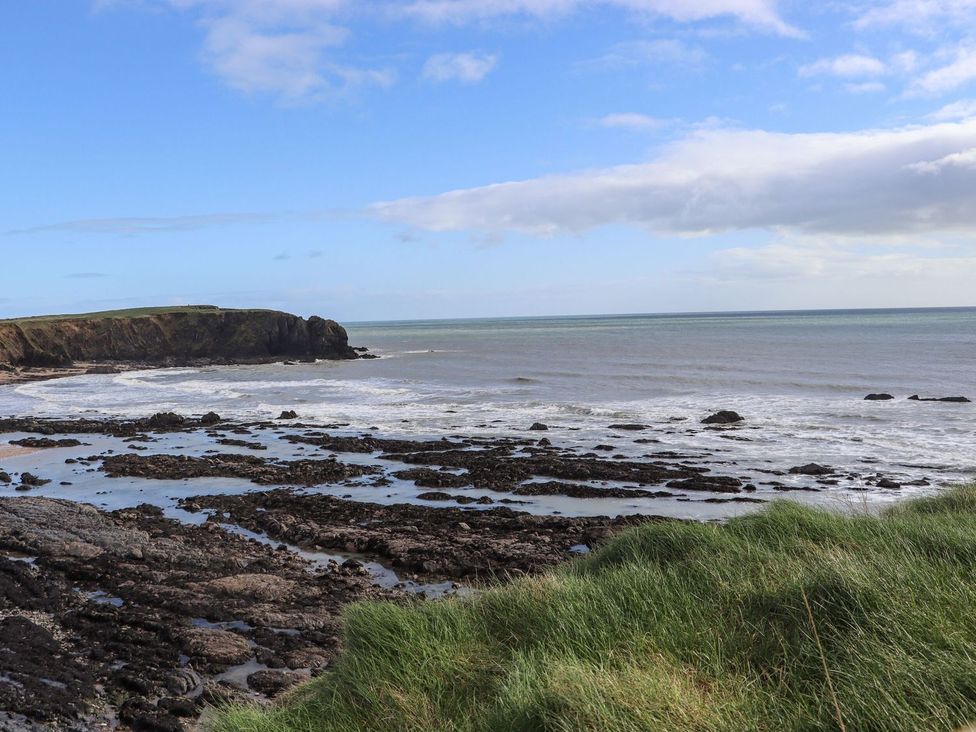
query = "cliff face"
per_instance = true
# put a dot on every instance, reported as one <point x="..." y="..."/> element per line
<point x="172" y="337"/>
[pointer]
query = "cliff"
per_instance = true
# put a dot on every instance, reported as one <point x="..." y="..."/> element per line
<point x="178" y="336"/>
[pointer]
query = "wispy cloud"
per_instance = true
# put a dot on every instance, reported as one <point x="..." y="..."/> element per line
<point x="950" y="76"/>
<point x="279" y="47"/>
<point x="467" y="68"/>
<point x="962" y="109"/>
<point x="630" y="121"/>
<point x="917" y="16"/>
<point x="847" y="66"/>
<point x="132" y="225"/>
<point x="648" y="53"/>
<point x="857" y="183"/>
<point x="760" y="14"/>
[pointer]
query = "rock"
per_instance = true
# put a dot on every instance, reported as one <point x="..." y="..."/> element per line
<point x="221" y="693"/>
<point x="435" y="496"/>
<point x="5" y="477"/>
<point x="288" y="414"/>
<point x="257" y="586"/>
<point x="723" y="417"/>
<point x="217" y="646"/>
<point x="878" y="397"/>
<point x="953" y="400"/>
<point x="271" y="682"/>
<point x="210" y="418"/>
<point x="544" y="442"/>
<point x="166" y="420"/>
<point x="629" y="427"/>
<point x="29" y="479"/>
<point x="889" y="484"/>
<point x="41" y="443"/>
<point x="539" y="427"/>
<point x="104" y="369"/>
<point x="811" y="469"/>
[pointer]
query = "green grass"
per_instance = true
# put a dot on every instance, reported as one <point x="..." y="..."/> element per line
<point x="130" y="313"/>
<point x="681" y="626"/>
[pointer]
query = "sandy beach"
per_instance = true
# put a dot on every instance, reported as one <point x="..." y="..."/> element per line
<point x="11" y="451"/>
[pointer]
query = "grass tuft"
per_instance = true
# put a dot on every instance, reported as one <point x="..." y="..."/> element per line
<point x="792" y="618"/>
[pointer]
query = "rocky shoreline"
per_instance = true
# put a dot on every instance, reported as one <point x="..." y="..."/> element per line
<point x="153" y="614"/>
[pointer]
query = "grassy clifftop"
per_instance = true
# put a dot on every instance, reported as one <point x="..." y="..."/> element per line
<point x="127" y="313"/>
<point x="169" y="336"/>
<point x="789" y="619"/>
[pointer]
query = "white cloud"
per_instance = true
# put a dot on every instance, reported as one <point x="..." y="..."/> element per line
<point x="634" y="54"/>
<point x="714" y="180"/>
<point x="964" y="159"/>
<point x="962" y="109"/>
<point x="867" y="87"/>
<point x="961" y="70"/>
<point x="822" y="273"/>
<point x="279" y="47"/>
<point x="762" y="14"/>
<point x="905" y="62"/>
<point x="847" y="66"/>
<point x="918" y="16"/>
<point x="630" y="121"/>
<point x="468" y="68"/>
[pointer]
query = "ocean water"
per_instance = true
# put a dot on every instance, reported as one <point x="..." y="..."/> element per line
<point x="799" y="378"/>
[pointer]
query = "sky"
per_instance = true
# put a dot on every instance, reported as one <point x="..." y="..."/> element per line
<point x="398" y="159"/>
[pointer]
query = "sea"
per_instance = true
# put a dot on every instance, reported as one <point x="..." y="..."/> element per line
<point x="798" y="378"/>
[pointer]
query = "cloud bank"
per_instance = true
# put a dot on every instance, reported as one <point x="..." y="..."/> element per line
<point x="872" y="182"/>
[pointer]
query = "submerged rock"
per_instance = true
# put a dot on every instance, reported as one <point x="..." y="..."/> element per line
<point x="882" y="397"/>
<point x="539" y="427"/>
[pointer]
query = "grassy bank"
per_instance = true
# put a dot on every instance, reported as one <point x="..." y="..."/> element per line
<point x="790" y="619"/>
<point x="129" y="313"/>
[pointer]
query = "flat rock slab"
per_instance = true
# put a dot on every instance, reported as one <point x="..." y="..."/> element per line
<point x="132" y="615"/>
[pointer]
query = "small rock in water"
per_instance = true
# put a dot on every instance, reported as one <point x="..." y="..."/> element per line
<point x="288" y="414"/>
<point x="878" y="397"/>
<point x="5" y="477"/>
<point x="539" y="427"/>
<point x="954" y="400"/>
<point x="166" y="419"/>
<point x="628" y="427"/>
<point x="210" y="418"/>
<point x="724" y="416"/>
<point x="811" y="469"/>
<point x="29" y="479"/>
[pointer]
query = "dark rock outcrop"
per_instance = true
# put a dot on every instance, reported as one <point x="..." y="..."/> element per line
<point x="171" y="337"/>
<point x="878" y="397"/>
<point x="723" y="417"/>
<point x="811" y="469"/>
<point x="953" y="400"/>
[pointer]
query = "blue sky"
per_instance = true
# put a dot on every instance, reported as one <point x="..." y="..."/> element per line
<point x="385" y="159"/>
